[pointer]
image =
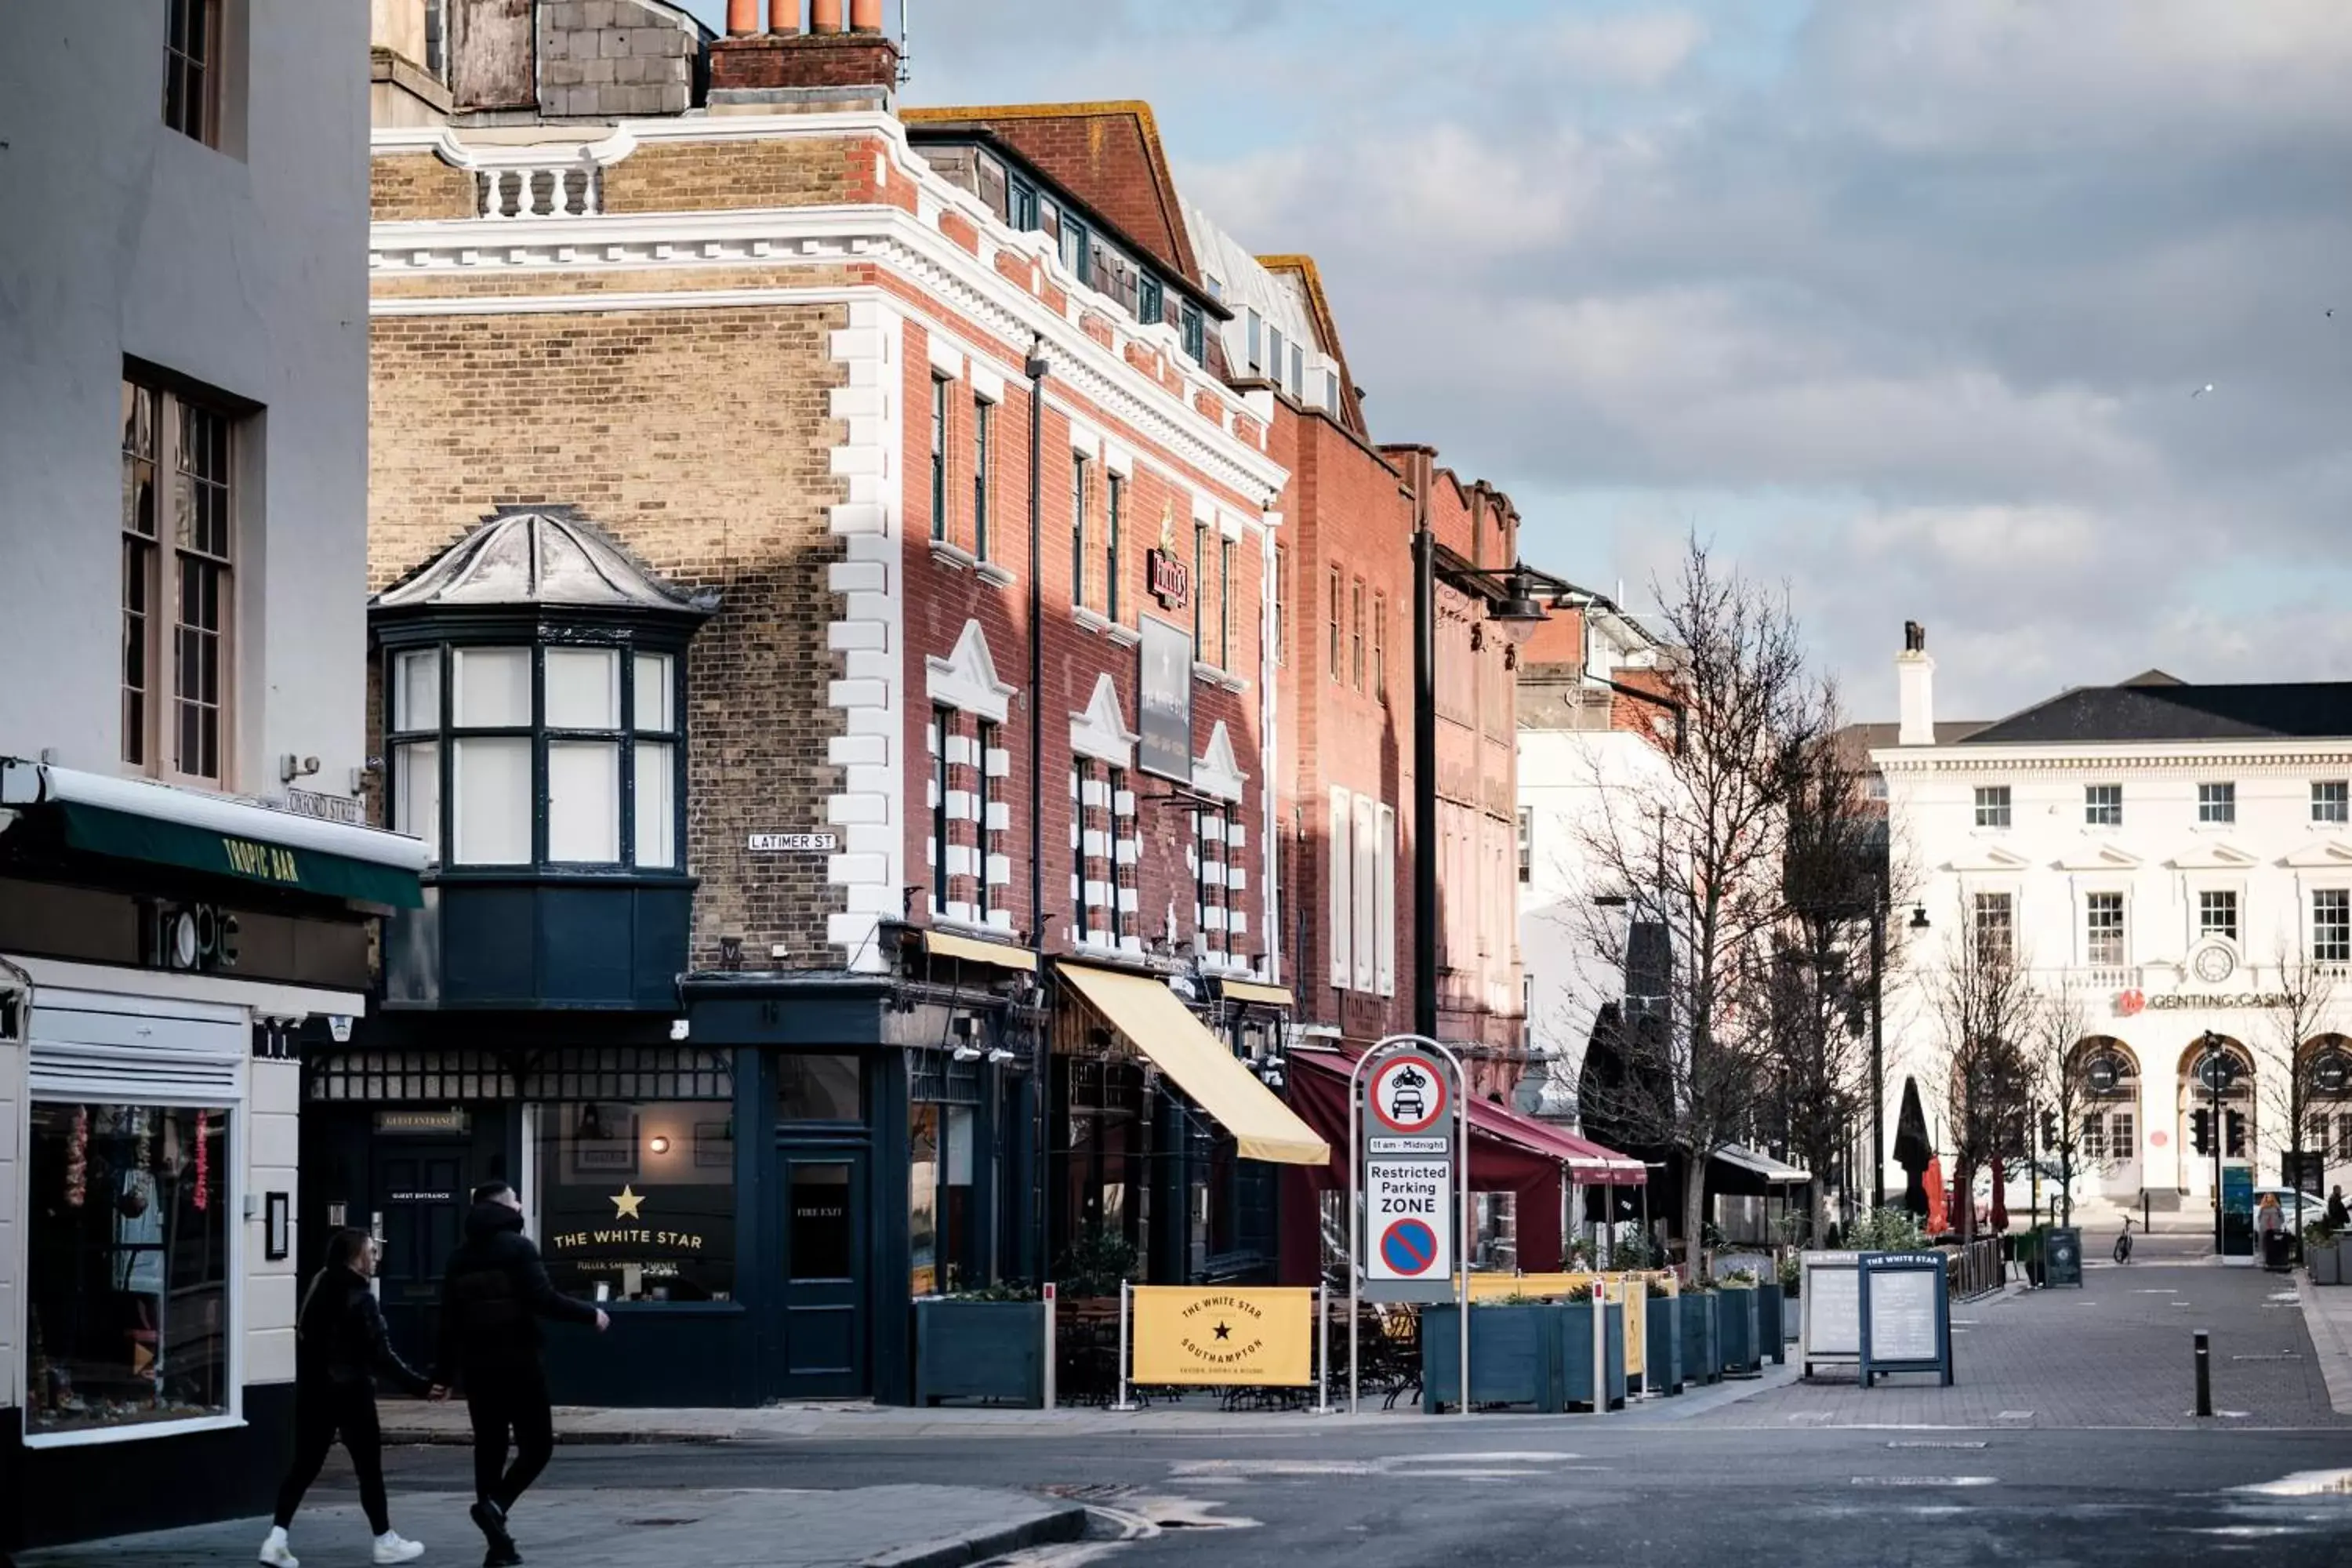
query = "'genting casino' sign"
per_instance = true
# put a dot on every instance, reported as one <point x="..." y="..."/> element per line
<point x="2129" y="1003"/>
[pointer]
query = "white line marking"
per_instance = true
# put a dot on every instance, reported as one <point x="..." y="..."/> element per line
<point x="1923" y="1481"/>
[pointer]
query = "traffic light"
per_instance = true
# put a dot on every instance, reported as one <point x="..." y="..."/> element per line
<point x="2234" y="1143"/>
<point x="2049" y="1131"/>
<point x="2200" y="1131"/>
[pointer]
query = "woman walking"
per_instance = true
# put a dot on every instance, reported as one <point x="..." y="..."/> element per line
<point x="341" y="1346"/>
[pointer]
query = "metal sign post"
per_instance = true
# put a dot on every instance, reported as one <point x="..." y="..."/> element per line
<point x="1126" y="1296"/>
<point x="1407" y="1187"/>
<point x="1052" y="1309"/>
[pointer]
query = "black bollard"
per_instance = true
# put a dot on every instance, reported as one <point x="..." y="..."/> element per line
<point x="2204" y="1375"/>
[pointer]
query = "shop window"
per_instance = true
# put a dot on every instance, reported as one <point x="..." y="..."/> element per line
<point x="940" y="1213"/>
<point x="636" y="1199"/>
<point x="517" y="755"/>
<point x="818" y="1089"/>
<point x="127" y="1316"/>
<point x="1497" y="1216"/>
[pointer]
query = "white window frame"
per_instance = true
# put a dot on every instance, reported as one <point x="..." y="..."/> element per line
<point x="1384" y="900"/>
<point x="2123" y="931"/>
<point x="1366" y="914"/>
<point x="232" y="1094"/>
<point x="159" y="575"/>
<point x="1340" y="915"/>
<point x="2338" y="809"/>
<point x="1996" y="806"/>
<point x="2198" y="929"/>
<point x="2313" y="927"/>
<point x="2092" y="807"/>
<point x="2223" y="802"/>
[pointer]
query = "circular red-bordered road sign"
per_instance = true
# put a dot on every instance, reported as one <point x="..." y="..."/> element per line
<point x="1408" y="1094"/>
<point x="1409" y="1246"/>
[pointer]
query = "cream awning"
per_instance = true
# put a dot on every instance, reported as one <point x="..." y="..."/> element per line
<point x="1142" y="1008"/>
<point x="1254" y="991"/>
<point x="947" y="944"/>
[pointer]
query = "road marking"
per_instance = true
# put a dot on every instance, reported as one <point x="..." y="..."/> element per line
<point x="1923" y="1481"/>
<point x="1930" y="1443"/>
<point x="2303" y="1483"/>
<point x="2271" y="1355"/>
<point x="2014" y="1415"/>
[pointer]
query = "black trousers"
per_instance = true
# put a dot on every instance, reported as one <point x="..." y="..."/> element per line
<point x="510" y="1402"/>
<point x="321" y="1413"/>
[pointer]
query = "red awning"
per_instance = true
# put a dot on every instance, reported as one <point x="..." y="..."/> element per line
<point x="1319" y="1094"/>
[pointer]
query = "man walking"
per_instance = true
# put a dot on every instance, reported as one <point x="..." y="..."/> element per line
<point x="492" y="1298"/>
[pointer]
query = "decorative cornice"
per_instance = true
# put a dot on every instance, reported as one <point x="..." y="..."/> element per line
<point x="2247" y="758"/>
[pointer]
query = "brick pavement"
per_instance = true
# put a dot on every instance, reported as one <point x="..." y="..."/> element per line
<point x="902" y="1526"/>
<point x="2116" y="1354"/>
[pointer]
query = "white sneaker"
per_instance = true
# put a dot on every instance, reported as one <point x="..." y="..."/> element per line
<point x="391" y="1548"/>
<point x="277" y="1553"/>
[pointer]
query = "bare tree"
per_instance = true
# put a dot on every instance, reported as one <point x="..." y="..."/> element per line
<point x="2057" y="1024"/>
<point x="1986" y="1005"/>
<point x="2294" y="1012"/>
<point x="1693" y="867"/>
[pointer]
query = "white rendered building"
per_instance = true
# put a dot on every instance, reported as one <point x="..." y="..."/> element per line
<point x="2161" y="848"/>
<point x="185" y="893"/>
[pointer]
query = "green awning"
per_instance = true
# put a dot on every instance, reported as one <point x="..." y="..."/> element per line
<point x="124" y="835"/>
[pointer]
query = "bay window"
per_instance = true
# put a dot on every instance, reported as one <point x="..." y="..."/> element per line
<point x="520" y="754"/>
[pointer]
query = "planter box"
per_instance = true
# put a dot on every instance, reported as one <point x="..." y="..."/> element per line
<point x="1662" y="1356"/>
<point x="1514" y="1357"/>
<point x="1742" y="1354"/>
<point x="1573" y="1324"/>
<point x="2327" y="1263"/>
<point x="979" y="1349"/>
<point x="1771" y="1331"/>
<point x="1701" y="1345"/>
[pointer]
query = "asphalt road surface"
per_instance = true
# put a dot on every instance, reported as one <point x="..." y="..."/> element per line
<point x="1547" y="1492"/>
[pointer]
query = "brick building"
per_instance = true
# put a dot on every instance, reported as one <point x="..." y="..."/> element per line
<point x="822" y="634"/>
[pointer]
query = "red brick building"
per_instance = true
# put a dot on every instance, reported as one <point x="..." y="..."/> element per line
<point x="883" y="753"/>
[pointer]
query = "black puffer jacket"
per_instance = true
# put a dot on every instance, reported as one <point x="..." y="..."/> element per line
<point x="340" y="1339"/>
<point x="495" y="1293"/>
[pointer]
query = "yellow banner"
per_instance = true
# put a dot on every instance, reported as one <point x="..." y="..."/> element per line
<point x="1184" y="1334"/>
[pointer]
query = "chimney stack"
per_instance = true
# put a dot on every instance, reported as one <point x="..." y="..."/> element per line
<point x="1914" y="684"/>
<point x="843" y="62"/>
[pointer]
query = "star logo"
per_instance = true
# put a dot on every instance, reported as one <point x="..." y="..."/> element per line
<point x="1225" y="1331"/>
<point x="625" y="1205"/>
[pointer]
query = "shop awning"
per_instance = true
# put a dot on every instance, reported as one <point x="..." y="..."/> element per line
<point x="1253" y="991"/>
<point x="977" y="950"/>
<point x="1142" y="1008"/>
<point x="1756" y="1163"/>
<point x="1319" y="1080"/>
<point x="213" y="836"/>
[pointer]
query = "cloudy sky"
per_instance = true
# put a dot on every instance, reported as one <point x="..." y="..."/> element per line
<point x="1900" y="304"/>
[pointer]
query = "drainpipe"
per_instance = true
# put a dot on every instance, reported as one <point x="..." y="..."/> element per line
<point x="1040" y="1082"/>
<point x="1424" y="763"/>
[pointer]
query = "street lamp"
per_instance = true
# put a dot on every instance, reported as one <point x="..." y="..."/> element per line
<point x="1920" y="921"/>
<point x="2216" y="1069"/>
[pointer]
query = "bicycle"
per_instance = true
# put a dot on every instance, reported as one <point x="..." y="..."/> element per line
<point x="2124" y="1243"/>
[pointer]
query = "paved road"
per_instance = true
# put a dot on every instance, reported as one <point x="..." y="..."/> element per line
<point x="2107" y="1470"/>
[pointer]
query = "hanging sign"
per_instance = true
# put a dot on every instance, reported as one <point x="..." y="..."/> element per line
<point x="1224" y="1336"/>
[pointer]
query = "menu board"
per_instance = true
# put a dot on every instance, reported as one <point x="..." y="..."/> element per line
<point x="1903" y="1307"/>
<point x="1831" y="1298"/>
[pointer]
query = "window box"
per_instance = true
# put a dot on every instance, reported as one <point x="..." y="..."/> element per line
<point x="979" y="1349"/>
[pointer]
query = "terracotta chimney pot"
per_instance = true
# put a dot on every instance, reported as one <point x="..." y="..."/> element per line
<point x="865" y="16"/>
<point x="784" y="17"/>
<point x="824" y="16"/>
<point x="743" y="17"/>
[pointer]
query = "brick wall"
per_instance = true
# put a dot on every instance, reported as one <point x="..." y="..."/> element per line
<point x="710" y="176"/>
<point x="408" y="186"/>
<point x="701" y="439"/>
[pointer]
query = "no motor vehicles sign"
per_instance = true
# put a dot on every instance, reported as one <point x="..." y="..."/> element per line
<point x="1409" y="1219"/>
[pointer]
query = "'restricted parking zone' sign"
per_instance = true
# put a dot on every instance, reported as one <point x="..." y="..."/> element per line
<point x="1408" y="1180"/>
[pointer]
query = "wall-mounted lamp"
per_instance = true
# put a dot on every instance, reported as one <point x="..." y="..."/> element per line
<point x="998" y="1056"/>
<point x="659" y="1143"/>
